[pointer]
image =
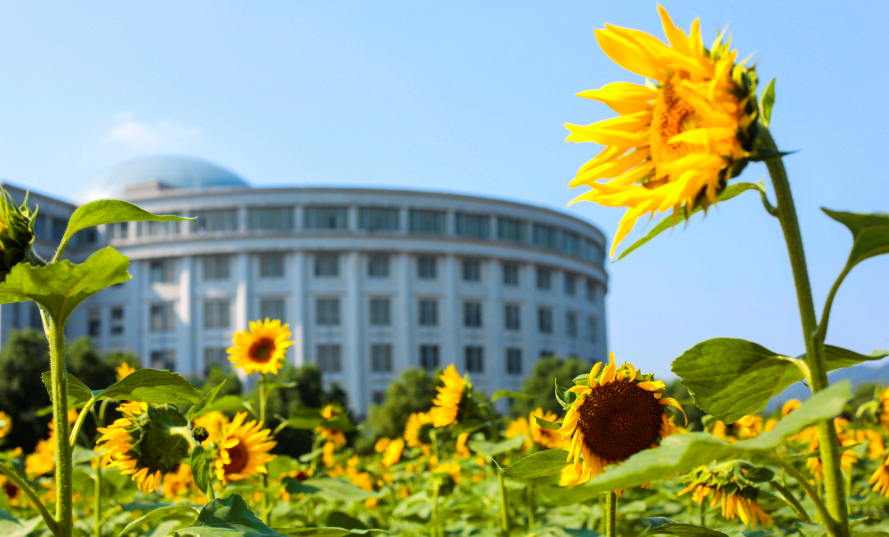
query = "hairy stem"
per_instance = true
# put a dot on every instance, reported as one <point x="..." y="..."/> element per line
<point x="22" y="484"/>
<point x="64" y="490"/>
<point x="610" y="514"/>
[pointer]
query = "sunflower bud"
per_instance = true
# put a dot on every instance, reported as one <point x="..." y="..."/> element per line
<point x="16" y="234"/>
<point x="201" y="434"/>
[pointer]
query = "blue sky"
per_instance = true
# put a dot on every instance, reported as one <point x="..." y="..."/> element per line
<point x="471" y="97"/>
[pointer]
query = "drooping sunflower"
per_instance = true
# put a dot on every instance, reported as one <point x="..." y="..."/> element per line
<point x="447" y="402"/>
<point x="732" y="489"/>
<point x="243" y="450"/>
<point x="260" y="349"/>
<point x="680" y="137"/>
<point x="618" y="412"/>
<point x="5" y="424"/>
<point x="416" y="431"/>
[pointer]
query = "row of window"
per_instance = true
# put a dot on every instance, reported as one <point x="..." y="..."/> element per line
<point x="376" y="219"/>
<point x="328" y="358"/>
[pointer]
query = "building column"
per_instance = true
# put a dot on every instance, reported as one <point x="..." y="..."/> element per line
<point x="135" y="313"/>
<point x="188" y="358"/>
<point x="240" y="274"/>
<point x="353" y="359"/>
<point x="297" y="307"/>
<point x="494" y="353"/>
<point x="403" y="322"/>
<point x="452" y="316"/>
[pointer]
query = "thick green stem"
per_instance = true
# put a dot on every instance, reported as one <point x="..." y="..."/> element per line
<point x="703" y="514"/>
<point x="264" y="478"/>
<point x="97" y="500"/>
<point x="29" y="492"/>
<point x="791" y="500"/>
<point x="504" y="503"/>
<point x="55" y="334"/>
<point x="610" y="514"/>
<point x="830" y="446"/>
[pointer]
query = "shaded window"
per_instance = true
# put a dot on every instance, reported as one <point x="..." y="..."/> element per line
<point x="378" y="265"/>
<point x="427" y="221"/>
<point x="217" y="267"/>
<point x="58" y="229"/>
<point x="270" y="218"/>
<point x="428" y="312"/>
<point x="514" y="361"/>
<point x="472" y="270"/>
<point x="426" y="267"/>
<point x="271" y="308"/>
<point x="217" y="356"/>
<point x="512" y="317"/>
<point x="165" y="359"/>
<point x="161" y="317"/>
<point x="117" y="321"/>
<point x="593" y="252"/>
<point x="378" y="397"/>
<point x="592" y="329"/>
<point x="475" y="358"/>
<point x="546" y="236"/>
<point x="545" y="320"/>
<point x="429" y="357"/>
<point x="591" y="289"/>
<point x="378" y="219"/>
<point x="40" y="226"/>
<point x="213" y="221"/>
<point x="472" y="314"/>
<point x="510" y="229"/>
<point x="329" y="358"/>
<point x="571" y="242"/>
<point x="570" y="284"/>
<point x="160" y="271"/>
<point x="325" y="218"/>
<point x="217" y="314"/>
<point x="94" y="322"/>
<point x="381" y="358"/>
<point x="379" y="312"/>
<point x="544" y="278"/>
<point x="327" y="312"/>
<point x="546" y="353"/>
<point x="271" y="265"/>
<point x="510" y="274"/>
<point x="571" y="324"/>
<point x="327" y="265"/>
<point x="472" y="225"/>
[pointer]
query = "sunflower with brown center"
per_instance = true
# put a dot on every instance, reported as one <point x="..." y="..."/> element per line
<point x="447" y="402"/>
<point x="678" y="139"/>
<point x="243" y="450"/>
<point x="260" y="349"/>
<point x="617" y="413"/>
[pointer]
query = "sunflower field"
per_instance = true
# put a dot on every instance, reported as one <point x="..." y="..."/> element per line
<point x="620" y="458"/>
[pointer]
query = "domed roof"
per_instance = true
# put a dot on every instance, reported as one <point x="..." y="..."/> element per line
<point x="174" y="171"/>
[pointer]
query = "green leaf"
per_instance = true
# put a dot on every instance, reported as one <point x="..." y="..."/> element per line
<point x="227" y="517"/>
<point x="495" y="448"/>
<point x="870" y="233"/>
<point x="552" y="426"/>
<point x="515" y="395"/>
<point x="338" y="489"/>
<point x="766" y="102"/>
<point x="109" y="212"/>
<point x="732" y="378"/>
<point x="563" y="396"/>
<point x="683" y="452"/>
<point x="195" y="411"/>
<point x="81" y="455"/>
<point x="200" y="468"/>
<point x="228" y="403"/>
<point x="665" y="526"/>
<point x="157" y="515"/>
<point x="727" y="193"/>
<point x="153" y="386"/>
<point x="325" y="532"/>
<point x="582" y="532"/>
<point x="16" y="528"/>
<point x="6" y="517"/>
<point x="78" y="392"/>
<point x="540" y="464"/>
<point x="338" y="519"/>
<point x="61" y="286"/>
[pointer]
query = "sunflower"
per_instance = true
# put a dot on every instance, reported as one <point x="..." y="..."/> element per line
<point x="381" y="445"/>
<point x="124" y="370"/>
<point x="332" y="435"/>
<point x="180" y="483"/>
<point x="327" y="454"/>
<point x="243" y="450"/>
<point x="43" y="459"/>
<point x="616" y="414"/>
<point x="393" y="451"/>
<point x="460" y="447"/>
<point x="880" y="479"/>
<point x="5" y="424"/>
<point x="679" y="139"/>
<point x="260" y="349"/>
<point x="213" y="422"/>
<point x="447" y="402"/>
<point x="790" y="406"/>
<point x="416" y="431"/>
<point x="732" y="489"/>
<point x="847" y="438"/>
<point x="746" y="427"/>
<point x="519" y="427"/>
<point x="10" y="489"/>
<point x="884" y="409"/>
<point x="546" y="438"/>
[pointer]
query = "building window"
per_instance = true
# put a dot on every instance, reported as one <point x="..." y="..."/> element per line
<point x="472" y="314"/>
<point x="427" y="221"/>
<point x="429" y="357"/>
<point x="329" y="358"/>
<point x="327" y="265"/>
<point x="378" y="266"/>
<point x="325" y="218"/>
<point x="217" y="314"/>
<point x="510" y="274"/>
<point x="40" y="226"/>
<point x="381" y="358"/>
<point x="546" y="237"/>
<point x="270" y="218"/>
<point x="271" y="265"/>
<point x="593" y="252"/>
<point x="117" y="321"/>
<point x="271" y="308"/>
<point x="217" y="267"/>
<point x="475" y="359"/>
<point x="426" y="265"/>
<point x="472" y="270"/>
<point x="592" y="329"/>
<point x="160" y="271"/>
<point x="116" y="231"/>
<point x="591" y="289"/>
<point x="545" y="320"/>
<point x="544" y="279"/>
<point x="546" y="353"/>
<point x="213" y="221"/>
<point x="428" y="312"/>
<point x="510" y="229"/>
<point x="165" y="359"/>
<point x="216" y="356"/>
<point x="378" y="219"/>
<point x="327" y="312"/>
<point x="571" y="242"/>
<point x="94" y="322"/>
<point x="514" y="361"/>
<point x="162" y="318"/>
<point x="512" y="317"/>
<point x="571" y="324"/>
<point x="379" y="312"/>
<point x="472" y="225"/>
<point x="570" y="282"/>
<point x="378" y="397"/>
<point x="157" y="229"/>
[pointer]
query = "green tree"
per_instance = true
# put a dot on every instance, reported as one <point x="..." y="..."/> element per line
<point x="540" y="384"/>
<point x="413" y="392"/>
<point x="23" y="358"/>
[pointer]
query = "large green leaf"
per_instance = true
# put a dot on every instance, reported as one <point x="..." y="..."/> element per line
<point x="326" y="532"/>
<point x="309" y="418"/>
<point x="152" y="517"/>
<point x="338" y="489"/>
<point x="665" y="526"/>
<point x="200" y="468"/>
<point x="731" y="378"/>
<point x="227" y="517"/>
<point x="109" y="212"/>
<point x="683" y="452"/>
<point x="143" y="385"/>
<point x="727" y="193"/>
<point x="870" y="233"/>
<point x="61" y="286"/>
<point x="78" y="392"/>
<point x="197" y="409"/>
<point x="495" y="448"/>
<point x="540" y="464"/>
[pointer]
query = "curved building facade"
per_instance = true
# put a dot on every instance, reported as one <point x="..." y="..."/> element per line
<point x="371" y="281"/>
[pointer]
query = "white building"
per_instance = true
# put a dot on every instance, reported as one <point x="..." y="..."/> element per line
<point x="371" y="281"/>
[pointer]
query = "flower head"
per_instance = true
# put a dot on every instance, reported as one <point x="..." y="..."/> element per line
<point x="393" y="452"/>
<point x="43" y="459"/>
<point x="123" y="370"/>
<point x="447" y="402"/>
<point x="617" y="413"/>
<point x="678" y="139"/>
<point x="519" y="427"/>
<point x="243" y="450"/>
<point x="5" y="424"/>
<point x="260" y="349"/>
<point x="331" y="412"/>
<point x="880" y="478"/>
<point x="416" y="431"/>
<point x="546" y="438"/>
<point x="212" y="422"/>
<point x="16" y="234"/>
<point x="732" y="489"/>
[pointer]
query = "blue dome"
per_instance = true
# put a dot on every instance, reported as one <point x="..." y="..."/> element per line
<point x="175" y="171"/>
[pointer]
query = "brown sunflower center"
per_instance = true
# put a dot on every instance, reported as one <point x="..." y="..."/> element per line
<point x="619" y="419"/>
<point x="672" y="115"/>
<point x="11" y="490"/>
<point x="261" y="350"/>
<point x="239" y="458"/>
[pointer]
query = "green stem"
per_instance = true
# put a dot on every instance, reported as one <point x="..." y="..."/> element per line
<point x="75" y="431"/>
<point x="504" y="502"/>
<point x="435" y="486"/>
<point x="791" y="500"/>
<point x="97" y="500"/>
<point x="610" y="514"/>
<point x="22" y="484"/>
<point x="55" y="335"/>
<point x="830" y="446"/>
<point x="703" y="513"/>
<point x="826" y="519"/>
<point x="821" y="333"/>
<point x="264" y="478"/>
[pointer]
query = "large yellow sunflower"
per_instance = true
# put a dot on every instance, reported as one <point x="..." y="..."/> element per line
<point x="617" y="413"/>
<point x="447" y="402"/>
<point x="680" y="137"/>
<point x="5" y="424"/>
<point x="416" y="431"/>
<point x="243" y="450"/>
<point x="261" y="348"/>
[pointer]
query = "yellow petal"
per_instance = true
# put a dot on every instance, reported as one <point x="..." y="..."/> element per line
<point x="622" y="97"/>
<point x="628" y="55"/>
